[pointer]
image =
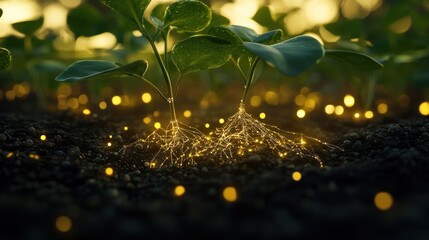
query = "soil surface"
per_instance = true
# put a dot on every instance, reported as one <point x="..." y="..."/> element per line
<point x="64" y="175"/>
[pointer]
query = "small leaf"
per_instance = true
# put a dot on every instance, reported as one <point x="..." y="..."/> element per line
<point x="85" y="20"/>
<point x="133" y="10"/>
<point x="28" y="27"/>
<point x="199" y="53"/>
<point x="188" y="16"/>
<point x="5" y="58"/>
<point x="290" y="57"/>
<point x="357" y="60"/>
<point x="263" y="17"/>
<point x="246" y="34"/>
<point x="270" y="37"/>
<point x="90" y="69"/>
<point x="157" y="22"/>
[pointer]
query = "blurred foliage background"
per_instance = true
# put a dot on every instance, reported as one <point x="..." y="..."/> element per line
<point x="45" y="36"/>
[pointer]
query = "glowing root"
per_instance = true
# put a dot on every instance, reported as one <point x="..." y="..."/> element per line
<point x="178" y="145"/>
<point x="242" y="134"/>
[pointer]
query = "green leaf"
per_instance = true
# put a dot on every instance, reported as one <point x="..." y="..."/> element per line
<point x="1" y="12"/>
<point x="263" y="17"/>
<point x="246" y="34"/>
<point x="357" y="60"/>
<point x="188" y="16"/>
<point x="5" y="58"/>
<point x="200" y="52"/>
<point x="290" y="57"/>
<point x="270" y="37"/>
<point x="133" y="10"/>
<point x="28" y="27"/>
<point x="85" y="20"/>
<point x="91" y="69"/>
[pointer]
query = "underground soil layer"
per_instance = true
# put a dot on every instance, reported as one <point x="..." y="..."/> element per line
<point x="64" y="175"/>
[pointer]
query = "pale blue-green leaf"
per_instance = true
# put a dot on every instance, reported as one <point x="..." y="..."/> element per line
<point x="290" y="57"/>
<point x="201" y="52"/>
<point x="157" y="22"/>
<point x="246" y="34"/>
<point x="133" y="10"/>
<point x="188" y="16"/>
<point x="90" y="69"/>
<point x="357" y="60"/>
<point x="270" y="37"/>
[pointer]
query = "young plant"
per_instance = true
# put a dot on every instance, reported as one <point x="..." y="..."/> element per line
<point x="178" y="144"/>
<point x="5" y="55"/>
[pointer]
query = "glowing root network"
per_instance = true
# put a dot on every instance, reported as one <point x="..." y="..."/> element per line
<point x="178" y="144"/>
<point x="242" y="134"/>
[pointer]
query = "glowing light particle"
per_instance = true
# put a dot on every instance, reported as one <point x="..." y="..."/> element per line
<point x="221" y="120"/>
<point x="187" y="113"/>
<point x="147" y="120"/>
<point x="156" y="114"/>
<point x="300" y="113"/>
<point x="86" y="111"/>
<point x="83" y="99"/>
<point x="356" y="115"/>
<point x="179" y="190"/>
<point x="109" y="144"/>
<point x="152" y="165"/>
<point x="230" y="194"/>
<point x="207" y="125"/>
<point x="102" y="105"/>
<point x="300" y="100"/>
<point x="271" y="98"/>
<point x="126" y="128"/>
<point x="339" y="110"/>
<point x="296" y="176"/>
<point x="329" y="109"/>
<point x="63" y="223"/>
<point x="383" y="201"/>
<point x="108" y="171"/>
<point x="382" y="108"/>
<point x="9" y="154"/>
<point x="157" y="125"/>
<point x="146" y="97"/>
<point x="349" y="100"/>
<point x="262" y="115"/>
<point x="110" y="136"/>
<point x="34" y="156"/>
<point x="369" y="114"/>
<point x="424" y="108"/>
<point x="255" y="101"/>
<point x="116" y="100"/>
<point x="43" y="137"/>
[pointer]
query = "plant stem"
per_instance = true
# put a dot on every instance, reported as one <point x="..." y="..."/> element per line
<point x="370" y="92"/>
<point x="28" y="47"/>
<point x="249" y="80"/>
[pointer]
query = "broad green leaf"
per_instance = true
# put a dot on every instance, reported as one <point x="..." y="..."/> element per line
<point x="5" y="58"/>
<point x="133" y="10"/>
<point x="199" y="53"/>
<point x="157" y="15"/>
<point x="263" y="17"/>
<point x="270" y="37"/>
<point x="188" y="16"/>
<point x="357" y="60"/>
<point x="90" y="69"/>
<point x="290" y="57"/>
<point x="246" y="34"/>
<point x="28" y="27"/>
<point x="85" y="20"/>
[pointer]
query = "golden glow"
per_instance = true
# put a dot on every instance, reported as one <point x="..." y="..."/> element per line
<point x="321" y="11"/>
<point x="43" y="137"/>
<point x="83" y="99"/>
<point x="349" y="100"/>
<point x="102" y="105"/>
<point x="126" y="128"/>
<point x="424" y="108"/>
<point x="116" y="100"/>
<point x="300" y="100"/>
<point x="382" y="108"/>
<point x="34" y="156"/>
<point x="221" y="120"/>
<point x="296" y="22"/>
<point x="156" y="114"/>
<point x="108" y="171"/>
<point x="296" y="176"/>
<point x="255" y="101"/>
<point x="179" y="190"/>
<point x="55" y="16"/>
<point x="73" y="103"/>
<point x="109" y="144"/>
<point x="207" y="125"/>
<point x="234" y="12"/>
<point x="137" y="33"/>
<point x="230" y="194"/>
<point x="110" y="136"/>
<point x="101" y="41"/>
<point x="64" y="90"/>
<point x="63" y="223"/>
<point x="329" y="109"/>
<point x="271" y="97"/>
<point x="262" y="115"/>
<point x="86" y="111"/>
<point x="146" y="97"/>
<point x="339" y="110"/>
<point x="383" y="201"/>
<point x="152" y="165"/>
<point x="157" y="125"/>
<point x="147" y="120"/>
<point x="9" y="154"/>
<point x="187" y="113"/>
<point x="369" y="114"/>
<point x="17" y="11"/>
<point x="71" y="3"/>
<point x="328" y="36"/>
<point x="300" y="113"/>
<point x="356" y="115"/>
<point x="310" y="105"/>
<point x="402" y="25"/>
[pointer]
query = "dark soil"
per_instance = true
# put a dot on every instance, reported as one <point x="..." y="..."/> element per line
<point x="136" y="202"/>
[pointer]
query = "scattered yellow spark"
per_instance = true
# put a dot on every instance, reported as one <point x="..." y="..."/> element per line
<point x="157" y="125"/>
<point x="152" y="165"/>
<point x="383" y="201"/>
<point x="109" y="171"/>
<point x="207" y="125"/>
<point x="339" y="110"/>
<point x="349" y="100"/>
<point x="146" y="97"/>
<point x="382" y="108"/>
<point x="356" y="115"/>
<point x="83" y="99"/>
<point x="126" y="128"/>
<point x="187" y="113"/>
<point x="255" y="101"/>
<point x="296" y="176"/>
<point x="86" y="111"/>
<point x="369" y="114"/>
<point x="43" y="137"/>
<point x="303" y="142"/>
<point x="147" y="120"/>
<point x="262" y="115"/>
<point x="109" y="144"/>
<point x="179" y="190"/>
<point x="34" y="156"/>
<point x="424" y="108"/>
<point x="63" y="223"/>
<point x="329" y="109"/>
<point x="300" y="113"/>
<point x="300" y="100"/>
<point x="102" y="105"/>
<point x="271" y="98"/>
<point x="110" y="136"/>
<point x="116" y="100"/>
<point x="221" y="120"/>
<point x="230" y="194"/>
<point x="9" y="154"/>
